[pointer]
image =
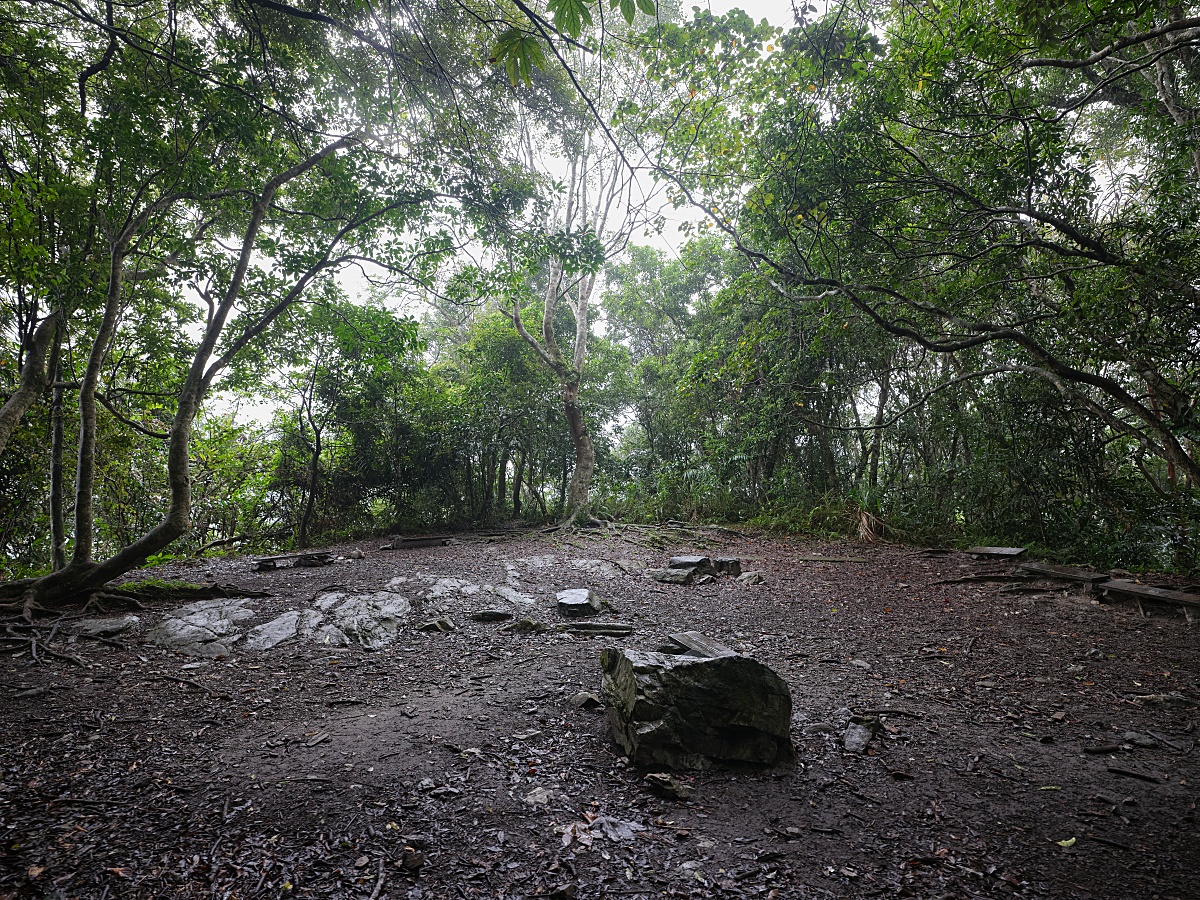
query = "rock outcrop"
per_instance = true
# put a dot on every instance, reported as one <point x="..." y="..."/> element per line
<point x="687" y="711"/>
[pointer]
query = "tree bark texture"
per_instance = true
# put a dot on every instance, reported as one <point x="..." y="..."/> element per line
<point x="33" y="381"/>
<point x="585" y="453"/>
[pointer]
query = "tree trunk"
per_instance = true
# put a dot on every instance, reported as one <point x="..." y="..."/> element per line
<point x="516" y="494"/>
<point x="314" y="473"/>
<point x="487" y="484"/>
<point x="33" y="379"/>
<point x="885" y="384"/>
<point x="470" y="488"/>
<point x="58" y="528"/>
<point x="562" y="488"/>
<point x="85" y="471"/>
<point x="502" y="484"/>
<point x="539" y="489"/>
<point x="585" y="454"/>
<point x="82" y="573"/>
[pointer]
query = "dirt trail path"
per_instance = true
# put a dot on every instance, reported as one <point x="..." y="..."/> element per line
<point x="1035" y="744"/>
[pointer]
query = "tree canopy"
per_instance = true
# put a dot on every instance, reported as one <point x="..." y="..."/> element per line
<point x="940" y="276"/>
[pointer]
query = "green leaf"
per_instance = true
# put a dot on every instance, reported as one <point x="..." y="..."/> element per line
<point x="646" y="6"/>
<point x="520" y="52"/>
<point x="570" y="16"/>
<point x="628" y="10"/>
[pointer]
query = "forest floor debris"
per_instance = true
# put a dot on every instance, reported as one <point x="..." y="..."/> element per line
<point x="1020" y="746"/>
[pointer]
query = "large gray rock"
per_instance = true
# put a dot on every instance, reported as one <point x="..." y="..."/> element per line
<point x="699" y="565"/>
<point x="673" y="576"/>
<point x="267" y="635"/>
<point x="686" y="711"/>
<point x="108" y="627"/>
<point x="578" y="602"/>
<point x="728" y="565"/>
<point x="372" y="619"/>
<point x="204" y="628"/>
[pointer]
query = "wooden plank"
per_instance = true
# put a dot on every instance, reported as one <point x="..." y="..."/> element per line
<point x="416" y="543"/>
<point x="316" y="557"/>
<point x="1064" y="573"/>
<point x="1134" y="591"/>
<point x="996" y="552"/>
<point x="699" y="645"/>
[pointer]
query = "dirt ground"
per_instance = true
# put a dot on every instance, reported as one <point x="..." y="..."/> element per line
<point x="1035" y="743"/>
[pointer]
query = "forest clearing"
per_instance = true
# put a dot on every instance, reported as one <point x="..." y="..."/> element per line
<point x="599" y="448"/>
<point x="1031" y="743"/>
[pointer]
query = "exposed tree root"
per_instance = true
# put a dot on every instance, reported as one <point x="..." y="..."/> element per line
<point x="116" y="598"/>
<point x="37" y="641"/>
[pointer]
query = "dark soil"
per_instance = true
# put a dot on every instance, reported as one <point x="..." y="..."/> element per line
<point x="1003" y="767"/>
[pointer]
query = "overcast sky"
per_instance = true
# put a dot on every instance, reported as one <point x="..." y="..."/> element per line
<point x="777" y="12"/>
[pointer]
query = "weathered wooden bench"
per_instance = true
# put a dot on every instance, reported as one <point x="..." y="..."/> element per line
<point x="996" y="552"/>
<point x="316" y="558"/>
<point x="1138" y="593"/>
<point x="1062" y="573"/>
<point x="416" y="543"/>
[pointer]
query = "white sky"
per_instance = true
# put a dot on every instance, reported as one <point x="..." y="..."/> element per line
<point x="777" y="12"/>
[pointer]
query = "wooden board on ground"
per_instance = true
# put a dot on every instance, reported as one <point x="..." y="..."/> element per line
<point x="316" y="558"/>
<point x="830" y="559"/>
<point x="698" y="645"/>
<point x="1131" y="590"/>
<point x="996" y="552"/>
<point x="1063" y="573"/>
<point x="416" y="543"/>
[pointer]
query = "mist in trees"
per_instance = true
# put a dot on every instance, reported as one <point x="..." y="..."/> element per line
<point x="277" y="277"/>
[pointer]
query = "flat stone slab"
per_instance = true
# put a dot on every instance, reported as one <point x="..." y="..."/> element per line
<point x="577" y="602"/>
<point x="613" y="629"/>
<point x="204" y="628"/>
<point x="673" y="576"/>
<point x="106" y="627"/>
<point x="687" y="711"/>
<point x="492" y="615"/>
<point x="512" y="595"/>
<point x="371" y="619"/>
<point x="267" y="635"/>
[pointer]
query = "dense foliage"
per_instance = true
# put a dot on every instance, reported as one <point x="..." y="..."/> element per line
<point x="945" y="285"/>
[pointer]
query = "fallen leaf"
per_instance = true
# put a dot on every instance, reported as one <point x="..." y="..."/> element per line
<point x="1069" y="842"/>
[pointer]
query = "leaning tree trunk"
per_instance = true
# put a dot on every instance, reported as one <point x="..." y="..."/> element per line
<point x="33" y="379"/>
<point x="83" y="574"/>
